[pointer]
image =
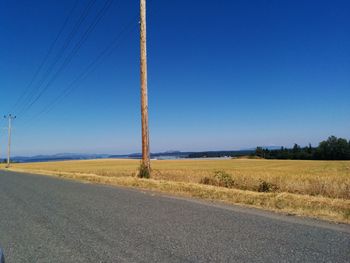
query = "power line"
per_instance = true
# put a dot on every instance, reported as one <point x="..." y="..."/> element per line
<point x="43" y="62"/>
<point x="89" y="69"/>
<point x="68" y="59"/>
<point x="60" y="54"/>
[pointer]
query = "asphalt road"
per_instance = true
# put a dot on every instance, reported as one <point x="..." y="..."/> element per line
<point x="44" y="219"/>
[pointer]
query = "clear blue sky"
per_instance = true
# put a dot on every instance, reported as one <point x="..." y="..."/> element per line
<point x="222" y="75"/>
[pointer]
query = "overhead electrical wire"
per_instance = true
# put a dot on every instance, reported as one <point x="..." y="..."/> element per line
<point x="46" y="57"/>
<point x="73" y="52"/>
<point x="89" y="69"/>
<point x="59" y="55"/>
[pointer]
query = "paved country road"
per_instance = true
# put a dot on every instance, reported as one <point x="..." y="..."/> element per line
<point x="45" y="219"/>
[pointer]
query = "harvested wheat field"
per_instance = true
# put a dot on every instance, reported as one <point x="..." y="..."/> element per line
<point x="309" y="188"/>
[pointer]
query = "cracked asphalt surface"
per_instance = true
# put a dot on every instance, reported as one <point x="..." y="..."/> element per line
<point x="47" y="219"/>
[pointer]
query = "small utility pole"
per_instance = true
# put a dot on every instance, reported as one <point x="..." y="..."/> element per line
<point x="144" y="97"/>
<point x="10" y="117"/>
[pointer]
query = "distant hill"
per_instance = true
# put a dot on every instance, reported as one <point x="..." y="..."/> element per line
<point x="78" y="156"/>
<point x="58" y="157"/>
<point x="218" y="154"/>
<point x="160" y="155"/>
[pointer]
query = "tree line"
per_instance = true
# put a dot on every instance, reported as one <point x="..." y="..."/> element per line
<point x="331" y="149"/>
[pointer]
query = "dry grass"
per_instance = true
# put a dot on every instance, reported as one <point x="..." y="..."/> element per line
<point x="325" y="178"/>
<point x="311" y="188"/>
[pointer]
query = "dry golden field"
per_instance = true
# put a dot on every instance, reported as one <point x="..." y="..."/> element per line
<point x="312" y="188"/>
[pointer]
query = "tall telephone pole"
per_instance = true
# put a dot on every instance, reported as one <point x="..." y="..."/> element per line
<point x="144" y="97"/>
<point x="10" y="117"/>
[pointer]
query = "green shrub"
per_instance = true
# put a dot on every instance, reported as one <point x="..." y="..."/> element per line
<point x="224" y="179"/>
<point x="220" y="178"/>
<point x="144" y="172"/>
<point x="267" y="187"/>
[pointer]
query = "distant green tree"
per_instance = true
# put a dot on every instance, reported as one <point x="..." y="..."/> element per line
<point x="333" y="149"/>
<point x="259" y="152"/>
<point x="296" y="152"/>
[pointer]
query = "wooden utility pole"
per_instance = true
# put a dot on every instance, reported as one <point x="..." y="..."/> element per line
<point x="10" y="118"/>
<point x="144" y="96"/>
